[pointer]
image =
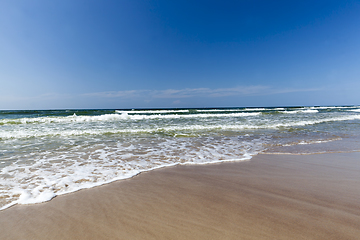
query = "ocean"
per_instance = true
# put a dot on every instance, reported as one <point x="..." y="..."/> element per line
<point x="45" y="153"/>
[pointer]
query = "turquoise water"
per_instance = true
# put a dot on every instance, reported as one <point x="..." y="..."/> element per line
<point x="50" y="152"/>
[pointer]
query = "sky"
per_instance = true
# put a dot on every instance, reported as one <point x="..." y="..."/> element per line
<point x="120" y="54"/>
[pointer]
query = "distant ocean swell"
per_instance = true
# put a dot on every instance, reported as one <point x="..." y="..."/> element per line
<point x="47" y="153"/>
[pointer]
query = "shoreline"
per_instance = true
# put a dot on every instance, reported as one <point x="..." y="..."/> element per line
<point x="246" y="158"/>
<point x="271" y="196"/>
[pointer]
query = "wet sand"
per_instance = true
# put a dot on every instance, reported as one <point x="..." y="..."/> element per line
<point x="269" y="197"/>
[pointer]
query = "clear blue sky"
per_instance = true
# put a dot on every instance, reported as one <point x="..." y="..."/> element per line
<point x="156" y="54"/>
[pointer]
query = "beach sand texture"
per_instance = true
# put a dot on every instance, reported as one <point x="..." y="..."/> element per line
<point x="270" y="197"/>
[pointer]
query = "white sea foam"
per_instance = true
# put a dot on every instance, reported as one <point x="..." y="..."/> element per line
<point x="301" y="111"/>
<point x="117" y="117"/>
<point x="239" y="109"/>
<point x="309" y="111"/>
<point x="64" y="171"/>
<point x="151" y="111"/>
<point x="218" y="115"/>
<point x="42" y="157"/>
<point x="234" y="110"/>
<point x="308" y="142"/>
<point x="44" y="132"/>
<point x="220" y="110"/>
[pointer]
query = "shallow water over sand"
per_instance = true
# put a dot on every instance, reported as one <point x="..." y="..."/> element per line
<point x="47" y="153"/>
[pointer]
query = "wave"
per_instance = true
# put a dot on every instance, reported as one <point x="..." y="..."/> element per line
<point x="116" y="117"/>
<point x="151" y="111"/>
<point x="301" y="111"/>
<point x="334" y="107"/>
<point x="309" y="142"/>
<point x="219" y="110"/>
<point x="49" y="154"/>
<point x="183" y="130"/>
<point x="46" y="177"/>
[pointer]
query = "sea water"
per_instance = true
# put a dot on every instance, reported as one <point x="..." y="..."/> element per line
<point x="52" y="152"/>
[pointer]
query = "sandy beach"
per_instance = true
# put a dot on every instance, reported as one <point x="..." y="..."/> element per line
<point x="269" y="197"/>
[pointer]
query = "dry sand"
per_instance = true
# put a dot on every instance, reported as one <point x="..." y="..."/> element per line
<point x="269" y="197"/>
